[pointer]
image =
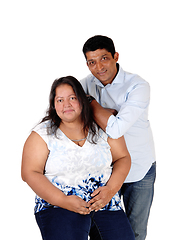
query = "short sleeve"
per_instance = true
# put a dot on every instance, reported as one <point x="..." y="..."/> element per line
<point x="41" y="129"/>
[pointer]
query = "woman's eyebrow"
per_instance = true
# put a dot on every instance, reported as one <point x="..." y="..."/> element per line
<point x="68" y="96"/>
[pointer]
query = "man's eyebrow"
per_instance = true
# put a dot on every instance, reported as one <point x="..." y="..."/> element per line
<point x="104" y="55"/>
<point x="90" y="60"/>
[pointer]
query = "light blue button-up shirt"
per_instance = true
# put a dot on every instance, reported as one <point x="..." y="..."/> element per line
<point x="129" y="94"/>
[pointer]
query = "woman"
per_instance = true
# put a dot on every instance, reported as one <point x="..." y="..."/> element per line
<point x="75" y="170"/>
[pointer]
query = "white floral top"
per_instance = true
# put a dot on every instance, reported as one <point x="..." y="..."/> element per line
<point x="76" y="170"/>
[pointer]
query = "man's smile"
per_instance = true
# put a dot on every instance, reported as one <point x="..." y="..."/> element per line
<point x="102" y="73"/>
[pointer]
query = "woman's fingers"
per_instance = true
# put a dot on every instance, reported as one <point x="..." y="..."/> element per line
<point x="101" y="197"/>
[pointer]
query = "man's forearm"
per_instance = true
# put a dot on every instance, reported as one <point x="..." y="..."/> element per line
<point x="101" y="115"/>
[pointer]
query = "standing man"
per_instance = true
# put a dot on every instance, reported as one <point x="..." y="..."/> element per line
<point x="121" y="108"/>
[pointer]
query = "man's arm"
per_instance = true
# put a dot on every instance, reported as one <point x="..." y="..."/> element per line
<point x="136" y="103"/>
<point x="101" y="115"/>
<point x="112" y="111"/>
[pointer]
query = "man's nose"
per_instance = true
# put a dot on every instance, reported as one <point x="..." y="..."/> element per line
<point x="99" y="66"/>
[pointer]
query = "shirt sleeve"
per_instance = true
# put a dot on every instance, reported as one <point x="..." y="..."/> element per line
<point x="136" y="102"/>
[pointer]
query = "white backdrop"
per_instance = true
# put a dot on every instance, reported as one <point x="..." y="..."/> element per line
<point x="42" y="40"/>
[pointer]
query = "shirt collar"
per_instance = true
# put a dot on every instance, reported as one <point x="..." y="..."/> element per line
<point x="119" y="77"/>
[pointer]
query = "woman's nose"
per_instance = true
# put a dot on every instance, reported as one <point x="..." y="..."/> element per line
<point x="67" y="103"/>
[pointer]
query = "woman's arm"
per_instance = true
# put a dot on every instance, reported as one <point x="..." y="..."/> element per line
<point x="121" y="167"/>
<point x="121" y="163"/>
<point x="35" y="154"/>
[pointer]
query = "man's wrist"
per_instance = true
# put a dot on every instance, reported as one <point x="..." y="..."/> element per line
<point x="90" y="98"/>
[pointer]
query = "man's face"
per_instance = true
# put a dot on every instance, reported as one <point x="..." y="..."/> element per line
<point x="102" y="65"/>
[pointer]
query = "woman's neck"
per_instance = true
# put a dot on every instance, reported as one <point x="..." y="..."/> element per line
<point x="74" y="131"/>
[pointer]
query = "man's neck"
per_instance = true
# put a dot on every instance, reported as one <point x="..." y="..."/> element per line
<point x="117" y="65"/>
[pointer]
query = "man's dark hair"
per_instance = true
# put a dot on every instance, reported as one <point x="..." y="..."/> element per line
<point x="99" y="42"/>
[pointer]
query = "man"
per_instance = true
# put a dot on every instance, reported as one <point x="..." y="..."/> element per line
<point x="121" y="108"/>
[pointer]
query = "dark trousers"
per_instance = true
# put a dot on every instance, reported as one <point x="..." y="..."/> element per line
<point x="61" y="224"/>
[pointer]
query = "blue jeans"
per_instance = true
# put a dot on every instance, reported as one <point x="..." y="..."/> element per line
<point x="137" y="198"/>
<point x="61" y="224"/>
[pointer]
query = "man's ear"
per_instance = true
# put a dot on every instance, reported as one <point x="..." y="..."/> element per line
<point x="116" y="56"/>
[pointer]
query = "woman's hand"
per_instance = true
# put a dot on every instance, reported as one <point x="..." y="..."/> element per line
<point x="76" y="204"/>
<point x="101" y="197"/>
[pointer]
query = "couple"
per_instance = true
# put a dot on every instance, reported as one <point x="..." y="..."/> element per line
<point x="76" y="169"/>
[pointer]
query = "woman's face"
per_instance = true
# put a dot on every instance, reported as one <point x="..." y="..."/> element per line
<point x="67" y="105"/>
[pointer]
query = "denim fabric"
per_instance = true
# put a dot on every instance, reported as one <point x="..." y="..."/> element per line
<point x="111" y="225"/>
<point x="61" y="224"/>
<point x="137" y="198"/>
<point x="58" y="223"/>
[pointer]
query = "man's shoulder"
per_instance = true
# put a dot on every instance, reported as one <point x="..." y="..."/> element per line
<point x="89" y="78"/>
<point x="88" y="83"/>
<point x="133" y="77"/>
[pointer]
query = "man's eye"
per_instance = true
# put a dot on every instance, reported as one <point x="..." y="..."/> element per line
<point x="91" y="63"/>
<point x="104" y="58"/>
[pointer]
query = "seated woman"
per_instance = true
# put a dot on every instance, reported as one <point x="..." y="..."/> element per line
<point x="75" y="169"/>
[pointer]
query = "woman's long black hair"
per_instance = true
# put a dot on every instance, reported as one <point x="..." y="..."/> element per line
<point x="86" y="114"/>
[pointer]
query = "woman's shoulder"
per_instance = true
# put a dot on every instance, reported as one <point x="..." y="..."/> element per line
<point x="102" y="135"/>
<point x="42" y="127"/>
<point x="42" y="130"/>
<point x="99" y="135"/>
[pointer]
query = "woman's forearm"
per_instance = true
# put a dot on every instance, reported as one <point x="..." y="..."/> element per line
<point x="120" y="171"/>
<point x="103" y="195"/>
<point x="45" y="189"/>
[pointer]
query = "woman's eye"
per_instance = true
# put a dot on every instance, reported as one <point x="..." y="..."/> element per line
<point x="73" y="98"/>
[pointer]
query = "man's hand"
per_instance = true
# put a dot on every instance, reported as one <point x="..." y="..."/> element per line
<point x="113" y="111"/>
<point x="101" y="197"/>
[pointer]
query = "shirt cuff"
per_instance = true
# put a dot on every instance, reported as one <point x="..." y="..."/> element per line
<point x="112" y="128"/>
